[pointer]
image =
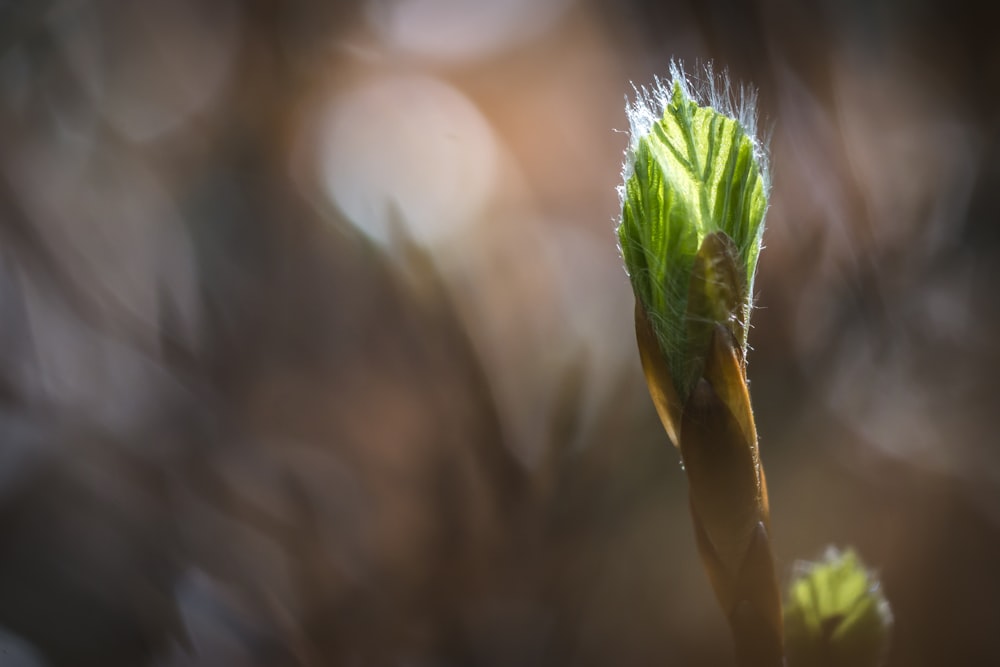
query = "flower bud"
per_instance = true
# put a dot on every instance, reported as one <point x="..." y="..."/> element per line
<point x="836" y="614"/>
<point x="693" y="203"/>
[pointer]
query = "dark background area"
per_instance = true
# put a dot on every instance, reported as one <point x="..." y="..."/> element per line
<point x="316" y="348"/>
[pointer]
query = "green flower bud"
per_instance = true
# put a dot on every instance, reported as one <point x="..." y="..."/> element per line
<point x="693" y="202"/>
<point x="836" y="615"/>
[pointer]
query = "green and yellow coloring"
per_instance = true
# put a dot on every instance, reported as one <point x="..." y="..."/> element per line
<point x="694" y="197"/>
<point x="836" y="615"/>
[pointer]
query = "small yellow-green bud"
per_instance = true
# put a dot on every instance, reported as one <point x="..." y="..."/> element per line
<point x="836" y="615"/>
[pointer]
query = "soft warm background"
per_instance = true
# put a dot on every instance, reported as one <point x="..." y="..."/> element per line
<point x="315" y="346"/>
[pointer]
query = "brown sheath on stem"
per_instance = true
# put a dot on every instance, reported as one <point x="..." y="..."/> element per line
<point x="661" y="385"/>
<point x="717" y="437"/>
<point x="729" y="506"/>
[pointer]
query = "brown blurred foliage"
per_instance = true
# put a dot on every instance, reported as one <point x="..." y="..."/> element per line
<point x="315" y="347"/>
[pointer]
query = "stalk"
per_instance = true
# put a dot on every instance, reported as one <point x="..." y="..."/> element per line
<point x="693" y="205"/>
<point x="694" y="197"/>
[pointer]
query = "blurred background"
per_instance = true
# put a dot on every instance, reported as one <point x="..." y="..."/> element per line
<point x="316" y="347"/>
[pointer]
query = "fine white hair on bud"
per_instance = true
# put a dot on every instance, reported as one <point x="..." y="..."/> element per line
<point x="713" y="90"/>
<point x="694" y="168"/>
